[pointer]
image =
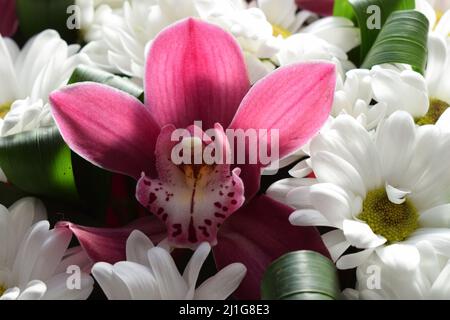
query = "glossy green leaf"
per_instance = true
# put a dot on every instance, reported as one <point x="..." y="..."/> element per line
<point x="343" y="8"/>
<point x="86" y="73"/>
<point x="370" y="16"/>
<point x="403" y="39"/>
<point x="39" y="162"/>
<point x="301" y="275"/>
<point x="38" y="15"/>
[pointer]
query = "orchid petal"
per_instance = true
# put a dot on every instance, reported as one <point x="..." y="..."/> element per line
<point x="109" y="245"/>
<point x="258" y="234"/>
<point x="195" y="72"/>
<point x="8" y="18"/>
<point x="292" y="103"/>
<point x="107" y="127"/>
<point x="323" y="7"/>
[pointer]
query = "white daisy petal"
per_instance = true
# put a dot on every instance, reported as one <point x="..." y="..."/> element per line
<point x="331" y="168"/>
<point x="57" y="288"/>
<point x="34" y="290"/>
<point x="223" y="284"/>
<point x="441" y="287"/>
<point x="395" y="195"/>
<point x="10" y="294"/>
<point x="395" y="143"/>
<point x="361" y="236"/>
<point x="113" y="287"/>
<point x="444" y="121"/>
<point x="400" y="256"/>
<point x="138" y="279"/>
<point x="137" y="247"/>
<point x="299" y="198"/>
<point x="353" y="260"/>
<point x="192" y="270"/>
<point x="437" y="217"/>
<point x="300" y="170"/>
<point x="280" y="189"/>
<point x="336" y="243"/>
<point x="307" y="217"/>
<point x="437" y="58"/>
<point x="171" y="284"/>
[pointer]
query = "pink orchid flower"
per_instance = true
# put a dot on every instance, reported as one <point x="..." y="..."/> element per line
<point x="196" y="71"/>
<point x="323" y="7"/>
<point x="8" y="18"/>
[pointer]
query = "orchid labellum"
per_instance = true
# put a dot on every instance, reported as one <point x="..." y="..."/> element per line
<point x="196" y="72"/>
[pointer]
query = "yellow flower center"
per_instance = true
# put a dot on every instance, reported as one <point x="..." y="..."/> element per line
<point x="280" y="31"/>
<point x="2" y="290"/>
<point x="439" y="15"/>
<point x="4" y="109"/>
<point x="435" y="111"/>
<point x="393" y="221"/>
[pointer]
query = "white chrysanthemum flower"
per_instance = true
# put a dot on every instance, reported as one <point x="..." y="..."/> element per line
<point x="375" y="189"/>
<point x="284" y="16"/>
<point x="29" y="75"/>
<point x="425" y="275"/>
<point x="125" y="37"/>
<point x="150" y="273"/>
<point x="94" y="14"/>
<point x="303" y="47"/>
<point x="327" y="39"/>
<point x="34" y="259"/>
<point x="438" y="6"/>
<point x="370" y="96"/>
<point x="438" y="66"/>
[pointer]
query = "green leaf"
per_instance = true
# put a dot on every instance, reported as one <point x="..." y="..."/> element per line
<point x="301" y="275"/>
<point x="39" y="162"/>
<point x="363" y="14"/>
<point x="86" y="73"/>
<point x="38" y="15"/>
<point x="403" y="39"/>
<point x="343" y="8"/>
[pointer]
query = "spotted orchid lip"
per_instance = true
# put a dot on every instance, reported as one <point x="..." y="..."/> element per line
<point x="192" y="200"/>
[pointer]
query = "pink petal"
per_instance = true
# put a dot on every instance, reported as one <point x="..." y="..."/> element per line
<point x="108" y="245"/>
<point x="107" y="127"/>
<point x="195" y="71"/>
<point x="295" y="100"/>
<point x="323" y="7"/>
<point x="258" y="234"/>
<point x="193" y="200"/>
<point x="8" y="18"/>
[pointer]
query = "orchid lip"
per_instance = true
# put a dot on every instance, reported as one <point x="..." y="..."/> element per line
<point x="193" y="200"/>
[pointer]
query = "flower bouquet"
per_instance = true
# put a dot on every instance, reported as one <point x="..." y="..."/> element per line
<point x="224" y="149"/>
